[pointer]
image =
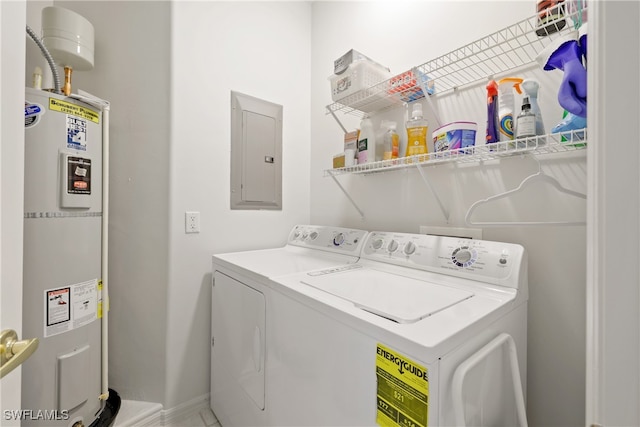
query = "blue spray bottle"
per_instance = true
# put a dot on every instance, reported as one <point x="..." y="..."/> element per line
<point x="492" y="113"/>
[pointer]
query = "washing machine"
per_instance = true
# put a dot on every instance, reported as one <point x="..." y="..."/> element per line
<point x="239" y="307"/>
<point x="421" y="331"/>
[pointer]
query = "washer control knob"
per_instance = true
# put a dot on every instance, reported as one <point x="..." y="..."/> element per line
<point x="338" y="239"/>
<point x="409" y="248"/>
<point x="463" y="256"/>
<point x="377" y="244"/>
<point x="392" y="246"/>
<point x="313" y="235"/>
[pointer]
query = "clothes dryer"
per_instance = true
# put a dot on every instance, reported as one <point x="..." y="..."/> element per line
<point x="239" y="307"/>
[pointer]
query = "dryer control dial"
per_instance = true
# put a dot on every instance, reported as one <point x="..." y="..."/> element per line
<point x="338" y="239"/>
<point x="464" y="256"/>
<point x="313" y="235"/>
<point x="377" y="244"/>
<point x="392" y="246"/>
<point x="409" y="248"/>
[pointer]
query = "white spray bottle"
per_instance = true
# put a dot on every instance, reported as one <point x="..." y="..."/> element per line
<point x="506" y="106"/>
<point x="530" y="87"/>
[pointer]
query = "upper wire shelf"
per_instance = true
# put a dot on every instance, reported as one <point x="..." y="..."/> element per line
<point x="544" y="144"/>
<point x="496" y="54"/>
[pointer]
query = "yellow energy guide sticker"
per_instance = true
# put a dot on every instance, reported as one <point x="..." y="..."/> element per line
<point x="403" y="390"/>
<point x="74" y="109"/>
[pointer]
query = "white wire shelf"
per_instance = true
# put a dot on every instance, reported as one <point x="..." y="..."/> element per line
<point x="544" y="144"/>
<point x="496" y="54"/>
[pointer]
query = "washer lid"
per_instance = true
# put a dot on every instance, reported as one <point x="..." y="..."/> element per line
<point x="401" y="299"/>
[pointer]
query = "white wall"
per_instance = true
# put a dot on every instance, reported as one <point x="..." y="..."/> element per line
<point x="260" y="49"/>
<point x="613" y="295"/>
<point x="401" y="201"/>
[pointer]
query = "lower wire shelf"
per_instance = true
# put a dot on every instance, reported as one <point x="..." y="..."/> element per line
<point x="544" y="144"/>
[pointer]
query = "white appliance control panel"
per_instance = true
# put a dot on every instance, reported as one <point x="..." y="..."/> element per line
<point x="334" y="239"/>
<point x="486" y="261"/>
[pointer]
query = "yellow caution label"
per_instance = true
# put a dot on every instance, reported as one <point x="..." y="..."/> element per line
<point x="100" y="300"/>
<point x="403" y="390"/>
<point x="73" y="109"/>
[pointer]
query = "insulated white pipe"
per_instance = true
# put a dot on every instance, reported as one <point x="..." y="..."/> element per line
<point x="105" y="252"/>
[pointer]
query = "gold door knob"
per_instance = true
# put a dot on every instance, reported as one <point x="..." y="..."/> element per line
<point x="13" y="352"/>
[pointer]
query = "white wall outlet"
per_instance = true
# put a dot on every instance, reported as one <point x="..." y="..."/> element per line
<point x="192" y="222"/>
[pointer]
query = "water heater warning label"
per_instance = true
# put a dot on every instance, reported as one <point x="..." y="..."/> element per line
<point x="402" y="391"/>
<point x="58" y="307"/>
<point x="78" y="175"/>
<point x="70" y="307"/>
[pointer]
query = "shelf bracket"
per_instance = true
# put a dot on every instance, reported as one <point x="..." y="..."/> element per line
<point x="445" y="211"/>
<point x="336" y="119"/>
<point x="346" y="193"/>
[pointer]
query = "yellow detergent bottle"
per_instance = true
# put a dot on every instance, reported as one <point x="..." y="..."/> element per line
<point x="416" y="132"/>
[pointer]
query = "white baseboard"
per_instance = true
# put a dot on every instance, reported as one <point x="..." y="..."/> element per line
<point x="177" y="415"/>
<point x="135" y="413"/>
<point x="149" y="414"/>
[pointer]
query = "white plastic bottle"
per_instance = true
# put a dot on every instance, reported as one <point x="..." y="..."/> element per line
<point x="391" y="143"/>
<point x="366" y="142"/>
<point x="380" y="135"/>
<point x="530" y="88"/>
<point x="526" y="121"/>
<point x="506" y="106"/>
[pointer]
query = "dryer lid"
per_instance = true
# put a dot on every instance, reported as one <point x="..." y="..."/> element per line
<point x="401" y="299"/>
<point x="281" y="261"/>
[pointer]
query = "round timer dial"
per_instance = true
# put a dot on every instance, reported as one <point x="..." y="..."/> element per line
<point x="377" y="244"/>
<point x="464" y="256"/>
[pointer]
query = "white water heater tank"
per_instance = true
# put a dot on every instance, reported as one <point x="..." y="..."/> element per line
<point x="62" y="260"/>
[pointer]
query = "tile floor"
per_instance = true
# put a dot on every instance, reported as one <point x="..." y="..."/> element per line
<point x="146" y="414"/>
<point x="204" y="418"/>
